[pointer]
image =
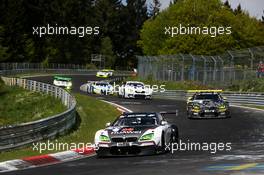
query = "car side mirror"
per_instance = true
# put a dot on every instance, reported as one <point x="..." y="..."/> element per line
<point x="163" y="122"/>
<point x="108" y="124"/>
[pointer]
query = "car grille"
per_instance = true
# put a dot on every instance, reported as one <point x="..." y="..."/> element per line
<point x="128" y="139"/>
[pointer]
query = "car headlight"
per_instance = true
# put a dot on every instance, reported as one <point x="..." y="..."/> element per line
<point x="196" y="107"/>
<point x="222" y="106"/>
<point x="146" y="137"/>
<point x="104" y="138"/>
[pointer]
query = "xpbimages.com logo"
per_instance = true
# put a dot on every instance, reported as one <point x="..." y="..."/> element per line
<point x="59" y="146"/>
<point x="212" y="147"/>
<point x="80" y="31"/>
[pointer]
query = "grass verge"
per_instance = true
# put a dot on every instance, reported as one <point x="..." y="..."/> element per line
<point x="18" y="105"/>
<point x="93" y="115"/>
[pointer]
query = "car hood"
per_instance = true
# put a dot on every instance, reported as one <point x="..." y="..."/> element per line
<point x="130" y="131"/>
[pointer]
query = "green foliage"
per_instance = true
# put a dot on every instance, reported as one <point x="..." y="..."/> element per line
<point x="118" y="21"/>
<point x="93" y="116"/>
<point x="90" y="66"/>
<point x="107" y="51"/>
<point x="251" y="85"/>
<point x="246" y="31"/>
<point x="18" y="105"/>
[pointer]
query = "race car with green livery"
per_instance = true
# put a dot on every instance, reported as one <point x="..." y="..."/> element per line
<point x="64" y="82"/>
<point x="142" y="133"/>
<point x="207" y="104"/>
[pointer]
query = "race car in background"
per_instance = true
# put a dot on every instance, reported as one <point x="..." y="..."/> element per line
<point x="64" y="82"/>
<point x="135" y="89"/>
<point x="103" y="88"/>
<point x="141" y="133"/>
<point x="100" y="87"/>
<point x="105" y="73"/>
<point x="207" y="104"/>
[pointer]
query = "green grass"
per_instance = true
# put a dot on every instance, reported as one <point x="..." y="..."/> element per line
<point x="18" y="105"/>
<point x="93" y="115"/>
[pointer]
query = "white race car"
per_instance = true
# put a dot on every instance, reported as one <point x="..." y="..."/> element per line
<point x="64" y="82"/>
<point x="100" y="87"/>
<point x="105" y="73"/>
<point x="143" y="133"/>
<point x="135" y="89"/>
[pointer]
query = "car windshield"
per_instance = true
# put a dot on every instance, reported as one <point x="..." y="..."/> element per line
<point x="135" y="84"/>
<point x="214" y="97"/>
<point x="101" y="84"/>
<point x="135" y="121"/>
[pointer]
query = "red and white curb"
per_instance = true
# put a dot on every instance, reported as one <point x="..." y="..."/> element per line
<point x="41" y="160"/>
<point x="49" y="159"/>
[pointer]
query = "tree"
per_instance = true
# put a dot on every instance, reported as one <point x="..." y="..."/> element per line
<point x="263" y="17"/>
<point x="227" y="4"/>
<point x="208" y="13"/>
<point x="155" y="8"/>
<point x="238" y="10"/>
<point x="107" y="51"/>
<point x="173" y="2"/>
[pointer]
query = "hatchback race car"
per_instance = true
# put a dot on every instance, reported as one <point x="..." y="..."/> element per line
<point x="105" y="73"/>
<point x="135" y="134"/>
<point x="135" y="89"/>
<point x="64" y="82"/>
<point x="207" y="104"/>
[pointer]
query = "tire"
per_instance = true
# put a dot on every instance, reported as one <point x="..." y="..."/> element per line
<point x="161" y="148"/>
<point x="100" y="154"/>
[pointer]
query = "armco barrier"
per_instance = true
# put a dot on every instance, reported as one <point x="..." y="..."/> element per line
<point x="21" y="134"/>
<point x="236" y="98"/>
<point x="59" y="71"/>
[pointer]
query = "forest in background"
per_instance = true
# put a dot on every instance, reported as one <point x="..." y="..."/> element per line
<point x="122" y="35"/>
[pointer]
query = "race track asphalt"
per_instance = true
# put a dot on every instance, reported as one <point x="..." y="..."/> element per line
<point x="245" y="132"/>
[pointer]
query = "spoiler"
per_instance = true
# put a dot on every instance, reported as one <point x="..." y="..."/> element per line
<point x="210" y="90"/>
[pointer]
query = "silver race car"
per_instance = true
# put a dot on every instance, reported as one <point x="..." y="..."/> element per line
<point x="207" y="104"/>
<point x="135" y="134"/>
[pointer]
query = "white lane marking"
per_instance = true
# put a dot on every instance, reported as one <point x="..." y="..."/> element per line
<point x="117" y="105"/>
<point x="246" y="107"/>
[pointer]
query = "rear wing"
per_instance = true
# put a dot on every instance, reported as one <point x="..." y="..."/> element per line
<point x="209" y="90"/>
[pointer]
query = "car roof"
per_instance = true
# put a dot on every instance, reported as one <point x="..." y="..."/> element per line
<point x="134" y="82"/>
<point x="62" y="78"/>
<point x="107" y="70"/>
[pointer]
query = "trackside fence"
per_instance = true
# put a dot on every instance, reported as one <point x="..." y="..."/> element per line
<point x="22" y="134"/>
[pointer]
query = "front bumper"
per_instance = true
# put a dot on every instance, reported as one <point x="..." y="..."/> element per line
<point x="139" y="95"/>
<point x="125" y="149"/>
<point x="209" y="114"/>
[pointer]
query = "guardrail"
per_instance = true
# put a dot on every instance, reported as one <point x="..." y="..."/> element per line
<point x="236" y="98"/>
<point x="60" y="71"/>
<point x="21" y="134"/>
